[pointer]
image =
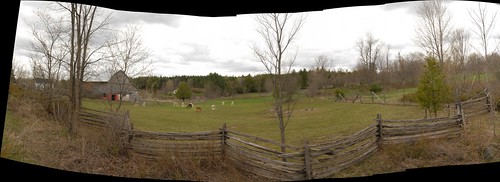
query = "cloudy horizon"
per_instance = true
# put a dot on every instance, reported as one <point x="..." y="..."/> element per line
<point x="195" y="45"/>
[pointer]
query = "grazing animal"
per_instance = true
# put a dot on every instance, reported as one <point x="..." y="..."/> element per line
<point x="213" y="107"/>
<point x="198" y="109"/>
<point x="190" y="105"/>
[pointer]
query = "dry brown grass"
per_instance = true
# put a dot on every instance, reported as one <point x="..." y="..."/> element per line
<point x="40" y="140"/>
<point x="469" y="148"/>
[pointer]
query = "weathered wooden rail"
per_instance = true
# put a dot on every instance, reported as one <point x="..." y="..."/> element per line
<point x="263" y="157"/>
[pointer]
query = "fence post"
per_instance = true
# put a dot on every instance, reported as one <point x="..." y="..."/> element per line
<point x="128" y="126"/>
<point x="491" y="109"/>
<point x="488" y="102"/>
<point x="461" y="113"/>
<point x="379" y="126"/>
<point x="307" y="161"/>
<point x="223" y="140"/>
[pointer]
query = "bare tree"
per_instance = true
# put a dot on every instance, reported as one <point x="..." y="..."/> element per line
<point x="314" y="83"/>
<point x="18" y="70"/>
<point x="47" y="51"/>
<point x="460" y="41"/>
<point x="484" y="24"/>
<point x="85" y="24"/>
<point x="323" y="64"/>
<point x="278" y="31"/>
<point x="127" y="53"/>
<point x="370" y="52"/>
<point x="434" y="28"/>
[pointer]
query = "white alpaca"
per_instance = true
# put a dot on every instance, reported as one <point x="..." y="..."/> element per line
<point x="213" y="107"/>
<point x="232" y="102"/>
<point x="222" y="102"/>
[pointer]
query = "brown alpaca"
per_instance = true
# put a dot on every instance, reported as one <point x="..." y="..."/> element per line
<point x="198" y="109"/>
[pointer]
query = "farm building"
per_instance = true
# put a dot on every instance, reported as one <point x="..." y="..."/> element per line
<point x="118" y="87"/>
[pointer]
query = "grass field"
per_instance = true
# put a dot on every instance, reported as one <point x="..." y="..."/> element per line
<point x="251" y="114"/>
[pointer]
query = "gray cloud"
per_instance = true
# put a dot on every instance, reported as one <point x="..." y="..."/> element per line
<point x="22" y="44"/>
<point x="410" y="7"/>
<point x="125" y="17"/>
<point x="198" y="54"/>
<point x="237" y="67"/>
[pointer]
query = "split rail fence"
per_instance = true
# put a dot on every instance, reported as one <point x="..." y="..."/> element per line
<point x="263" y="157"/>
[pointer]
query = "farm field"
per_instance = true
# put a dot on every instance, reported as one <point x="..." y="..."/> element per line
<point x="251" y="113"/>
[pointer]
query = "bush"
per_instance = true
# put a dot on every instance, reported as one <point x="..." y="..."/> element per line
<point x="411" y="97"/>
<point x="375" y="88"/>
<point x="339" y="92"/>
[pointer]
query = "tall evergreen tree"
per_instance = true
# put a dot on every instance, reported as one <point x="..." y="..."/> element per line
<point x="183" y="92"/>
<point x="432" y="89"/>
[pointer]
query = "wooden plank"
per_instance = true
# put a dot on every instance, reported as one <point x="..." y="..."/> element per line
<point x="168" y="134"/>
<point x="264" y="165"/>
<point x="262" y="139"/>
<point x="345" y="141"/>
<point x="157" y="157"/>
<point x="342" y="154"/>
<point x="95" y="119"/>
<point x="85" y="114"/>
<point x="420" y="128"/>
<point x="160" y="152"/>
<point x="177" y="142"/>
<point x="232" y="137"/>
<point x="180" y="138"/>
<point x="91" y="124"/>
<point x="453" y="120"/>
<point x="336" y="150"/>
<point x="276" y="169"/>
<point x="252" y="149"/>
<point x="444" y="135"/>
<point x="469" y="115"/>
<point x="186" y="139"/>
<point x="174" y="150"/>
<point x="93" y="110"/>
<point x="372" y="129"/>
<point x="436" y="134"/>
<point x="475" y="100"/>
<point x="333" y="169"/>
<point x="175" y="147"/>
<point x="176" y="153"/>
<point x="476" y="104"/>
<point x="412" y="131"/>
<point x="343" y="157"/>
<point x="418" y="120"/>
<point x="277" y="163"/>
<point x="96" y="123"/>
<point x="256" y="170"/>
<point x="475" y="110"/>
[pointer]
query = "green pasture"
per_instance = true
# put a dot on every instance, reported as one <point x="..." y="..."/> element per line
<point x="252" y="114"/>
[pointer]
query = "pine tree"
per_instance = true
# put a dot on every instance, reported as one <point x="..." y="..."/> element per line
<point x="432" y="89"/>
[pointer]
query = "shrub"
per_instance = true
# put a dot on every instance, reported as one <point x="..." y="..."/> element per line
<point x="339" y="92"/>
<point x="411" y="97"/>
<point x="375" y="88"/>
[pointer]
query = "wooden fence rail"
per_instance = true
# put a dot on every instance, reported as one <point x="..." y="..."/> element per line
<point x="263" y="157"/>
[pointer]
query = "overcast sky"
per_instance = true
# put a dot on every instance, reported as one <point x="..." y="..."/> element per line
<point x="193" y="45"/>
